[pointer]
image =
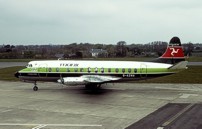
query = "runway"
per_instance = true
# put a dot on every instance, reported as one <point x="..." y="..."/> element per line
<point x="118" y="106"/>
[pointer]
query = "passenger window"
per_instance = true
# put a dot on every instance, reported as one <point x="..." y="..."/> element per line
<point x="68" y="70"/>
<point x="109" y="70"/>
<point x="102" y="70"/>
<point x="123" y="70"/>
<point x="135" y="70"/>
<point x="129" y="70"/>
<point x="49" y="69"/>
<point x="81" y="69"/>
<point x="76" y="70"/>
<point x="89" y="69"/>
<point x="57" y="69"/>
<point x="96" y="70"/>
<point x="117" y="70"/>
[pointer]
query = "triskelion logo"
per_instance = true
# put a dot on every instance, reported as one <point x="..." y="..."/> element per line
<point x="174" y="51"/>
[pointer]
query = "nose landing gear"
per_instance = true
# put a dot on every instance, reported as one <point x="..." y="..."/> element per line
<point x="35" y="88"/>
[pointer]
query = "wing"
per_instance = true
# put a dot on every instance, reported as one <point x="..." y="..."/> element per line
<point x="86" y="79"/>
<point x="99" y="78"/>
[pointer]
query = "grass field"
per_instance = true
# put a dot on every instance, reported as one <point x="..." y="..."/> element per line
<point x="191" y="59"/>
<point x="7" y="74"/>
<point x="191" y="75"/>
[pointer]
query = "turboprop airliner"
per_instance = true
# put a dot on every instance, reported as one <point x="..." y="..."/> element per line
<point x="94" y="73"/>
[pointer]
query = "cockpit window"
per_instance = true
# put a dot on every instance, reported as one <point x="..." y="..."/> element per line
<point x="29" y="65"/>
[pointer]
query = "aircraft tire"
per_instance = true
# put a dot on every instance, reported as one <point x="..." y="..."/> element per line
<point x="92" y="86"/>
<point x="35" y="88"/>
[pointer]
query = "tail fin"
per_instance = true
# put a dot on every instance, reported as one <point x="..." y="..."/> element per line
<point x="174" y="52"/>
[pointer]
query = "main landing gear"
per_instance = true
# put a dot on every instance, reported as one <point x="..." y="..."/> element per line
<point x="93" y="86"/>
<point x="35" y="88"/>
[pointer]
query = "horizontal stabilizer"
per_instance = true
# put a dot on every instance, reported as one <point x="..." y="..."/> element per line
<point x="180" y="65"/>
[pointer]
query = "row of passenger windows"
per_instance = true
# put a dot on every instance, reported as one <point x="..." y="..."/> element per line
<point x="102" y="70"/>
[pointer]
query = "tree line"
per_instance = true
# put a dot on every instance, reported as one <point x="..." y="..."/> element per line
<point x="83" y="50"/>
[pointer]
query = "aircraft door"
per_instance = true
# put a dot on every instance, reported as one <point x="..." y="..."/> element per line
<point x="143" y="70"/>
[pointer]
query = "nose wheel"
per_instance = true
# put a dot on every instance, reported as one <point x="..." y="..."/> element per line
<point x="35" y="88"/>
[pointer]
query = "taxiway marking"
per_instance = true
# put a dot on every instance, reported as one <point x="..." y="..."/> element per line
<point x="8" y="110"/>
<point x="184" y="96"/>
<point x="39" y="126"/>
<point x="176" y="116"/>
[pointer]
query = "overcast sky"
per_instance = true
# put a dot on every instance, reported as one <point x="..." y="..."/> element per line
<point x="99" y="21"/>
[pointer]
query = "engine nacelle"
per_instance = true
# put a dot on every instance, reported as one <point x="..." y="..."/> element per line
<point x="72" y="81"/>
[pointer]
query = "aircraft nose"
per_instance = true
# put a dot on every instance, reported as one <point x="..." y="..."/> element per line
<point x="17" y="74"/>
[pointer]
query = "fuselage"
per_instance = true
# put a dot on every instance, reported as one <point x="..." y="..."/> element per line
<point x="126" y="70"/>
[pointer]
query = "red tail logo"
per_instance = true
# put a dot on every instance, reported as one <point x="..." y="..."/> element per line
<point x="174" y="51"/>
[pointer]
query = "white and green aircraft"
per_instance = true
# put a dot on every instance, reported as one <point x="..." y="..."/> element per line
<point x="94" y="73"/>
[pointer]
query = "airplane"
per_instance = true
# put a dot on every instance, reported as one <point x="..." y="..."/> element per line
<point x="93" y="74"/>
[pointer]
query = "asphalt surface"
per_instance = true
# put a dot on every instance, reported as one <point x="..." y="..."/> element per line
<point x="194" y="63"/>
<point x="11" y="64"/>
<point x="172" y="116"/>
<point x="117" y="106"/>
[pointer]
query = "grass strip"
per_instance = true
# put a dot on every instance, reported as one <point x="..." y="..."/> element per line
<point x="7" y="74"/>
<point x="191" y="75"/>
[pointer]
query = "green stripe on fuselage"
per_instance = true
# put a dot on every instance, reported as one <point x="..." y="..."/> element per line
<point x="99" y="70"/>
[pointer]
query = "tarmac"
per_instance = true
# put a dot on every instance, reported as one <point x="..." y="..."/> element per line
<point x="114" y="106"/>
<point x="11" y="64"/>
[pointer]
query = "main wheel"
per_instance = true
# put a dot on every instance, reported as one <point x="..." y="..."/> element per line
<point x="93" y="86"/>
<point x="35" y="88"/>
